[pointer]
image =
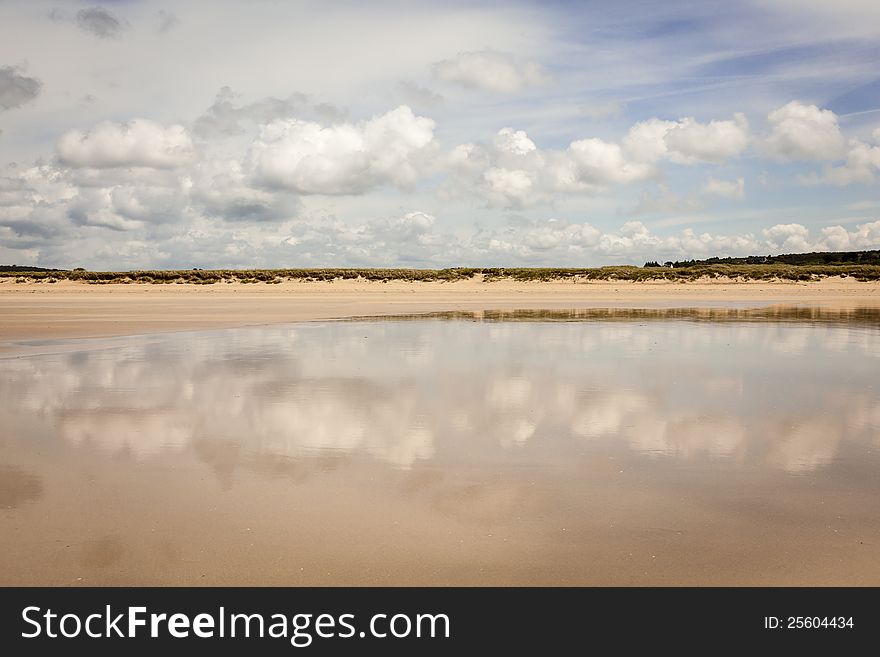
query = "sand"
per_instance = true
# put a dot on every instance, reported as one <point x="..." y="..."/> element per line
<point x="90" y="511"/>
<point x="37" y="311"/>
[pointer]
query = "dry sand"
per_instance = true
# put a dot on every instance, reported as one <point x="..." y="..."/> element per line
<point x="78" y="310"/>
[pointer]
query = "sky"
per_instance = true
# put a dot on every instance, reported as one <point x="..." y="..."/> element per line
<point x="217" y="134"/>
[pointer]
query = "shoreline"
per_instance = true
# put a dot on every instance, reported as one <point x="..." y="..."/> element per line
<point x="67" y="309"/>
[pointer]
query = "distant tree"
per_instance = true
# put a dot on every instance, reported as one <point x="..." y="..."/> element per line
<point x="821" y="258"/>
<point x="652" y="263"/>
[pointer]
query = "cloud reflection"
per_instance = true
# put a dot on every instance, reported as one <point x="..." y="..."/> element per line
<point x="407" y="392"/>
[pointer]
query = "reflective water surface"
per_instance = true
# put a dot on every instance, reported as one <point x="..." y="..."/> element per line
<point x="588" y="447"/>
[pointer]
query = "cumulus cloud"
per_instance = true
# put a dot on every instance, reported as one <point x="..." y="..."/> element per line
<point x="54" y="201"/>
<point x="33" y="208"/>
<point x="508" y="187"/>
<point x="788" y="237"/>
<point x="804" y="132"/>
<point x="687" y="141"/>
<point x="556" y="241"/>
<point x="98" y="22"/>
<point x="597" y="161"/>
<point x="167" y="217"/>
<point x="838" y="238"/>
<point x="862" y="166"/>
<point x="489" y="70"/>
<point x="715" y="141"/>
<point x="138" y="143"/>
<point x="783" y="238"/>
<point x="515" y="142"/>
<point x="732" y="189"/>
<point x="221" y="188"/>
<point x="16" y="89"/>
<point x="95" y="207"/>
<point x="527" y="239"/>
<point x="512" y="172"/>
<point x="410" y="239"/>
<point x="142" y="183"/>
<point x="347" y="158"/>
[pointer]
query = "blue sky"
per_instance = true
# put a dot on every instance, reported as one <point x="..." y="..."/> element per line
<point x="230" y="134"/>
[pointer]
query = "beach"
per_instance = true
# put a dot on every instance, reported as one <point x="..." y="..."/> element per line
<point x="144" y="446"/>
<point x="37" y="311"/>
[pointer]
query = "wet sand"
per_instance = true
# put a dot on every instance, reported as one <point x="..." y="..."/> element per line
<point x="434" y="453"/>
<point x="78" y="310"/>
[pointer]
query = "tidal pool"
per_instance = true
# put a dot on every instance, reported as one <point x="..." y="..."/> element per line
<point x="585" y="447"/>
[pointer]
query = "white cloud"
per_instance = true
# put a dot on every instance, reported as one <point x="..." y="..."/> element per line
<point x="489" y="70"/>
<point x="715" y="141"/>
<point x="646" y="140"/>
<point x="862" y="166"/>
<point x="95" y="207"/>
<point x="529" y="239"/>
<point x="254" y="162"/>
<point x="789" y="238"/>
<point x="838" y="238"/>
<point x="512" y="172"/>
<point x="687" y="141"/>
<point x="513" y="141"/>
<point x="138" y="143"/>
<point x="553" y="160"/>
<point x="151" y="218"/>
<point x="733" y="189"/>
<point x="508" y="187"/>
<point x="598" y="161"/>
<point x="804" y="132"/>
<point x="348" y="158"/>
<point x="556" y="241"/>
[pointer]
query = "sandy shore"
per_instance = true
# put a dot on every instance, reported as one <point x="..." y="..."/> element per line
<point x="77" y="310"/>
<point x="186" y="466"/>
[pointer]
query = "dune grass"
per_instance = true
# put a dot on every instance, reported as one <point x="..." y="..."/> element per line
<point x="738" y="272"/>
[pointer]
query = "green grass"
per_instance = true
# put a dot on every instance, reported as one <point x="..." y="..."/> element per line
<point x="739" y="272"/>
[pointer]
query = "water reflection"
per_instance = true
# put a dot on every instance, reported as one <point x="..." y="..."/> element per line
<point x="600" y="447"/>
<point x="722" y="386"/>
<point x="859" y="316"/>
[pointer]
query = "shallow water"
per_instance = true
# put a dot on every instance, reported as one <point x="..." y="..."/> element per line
<point x="590" y="447"/>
